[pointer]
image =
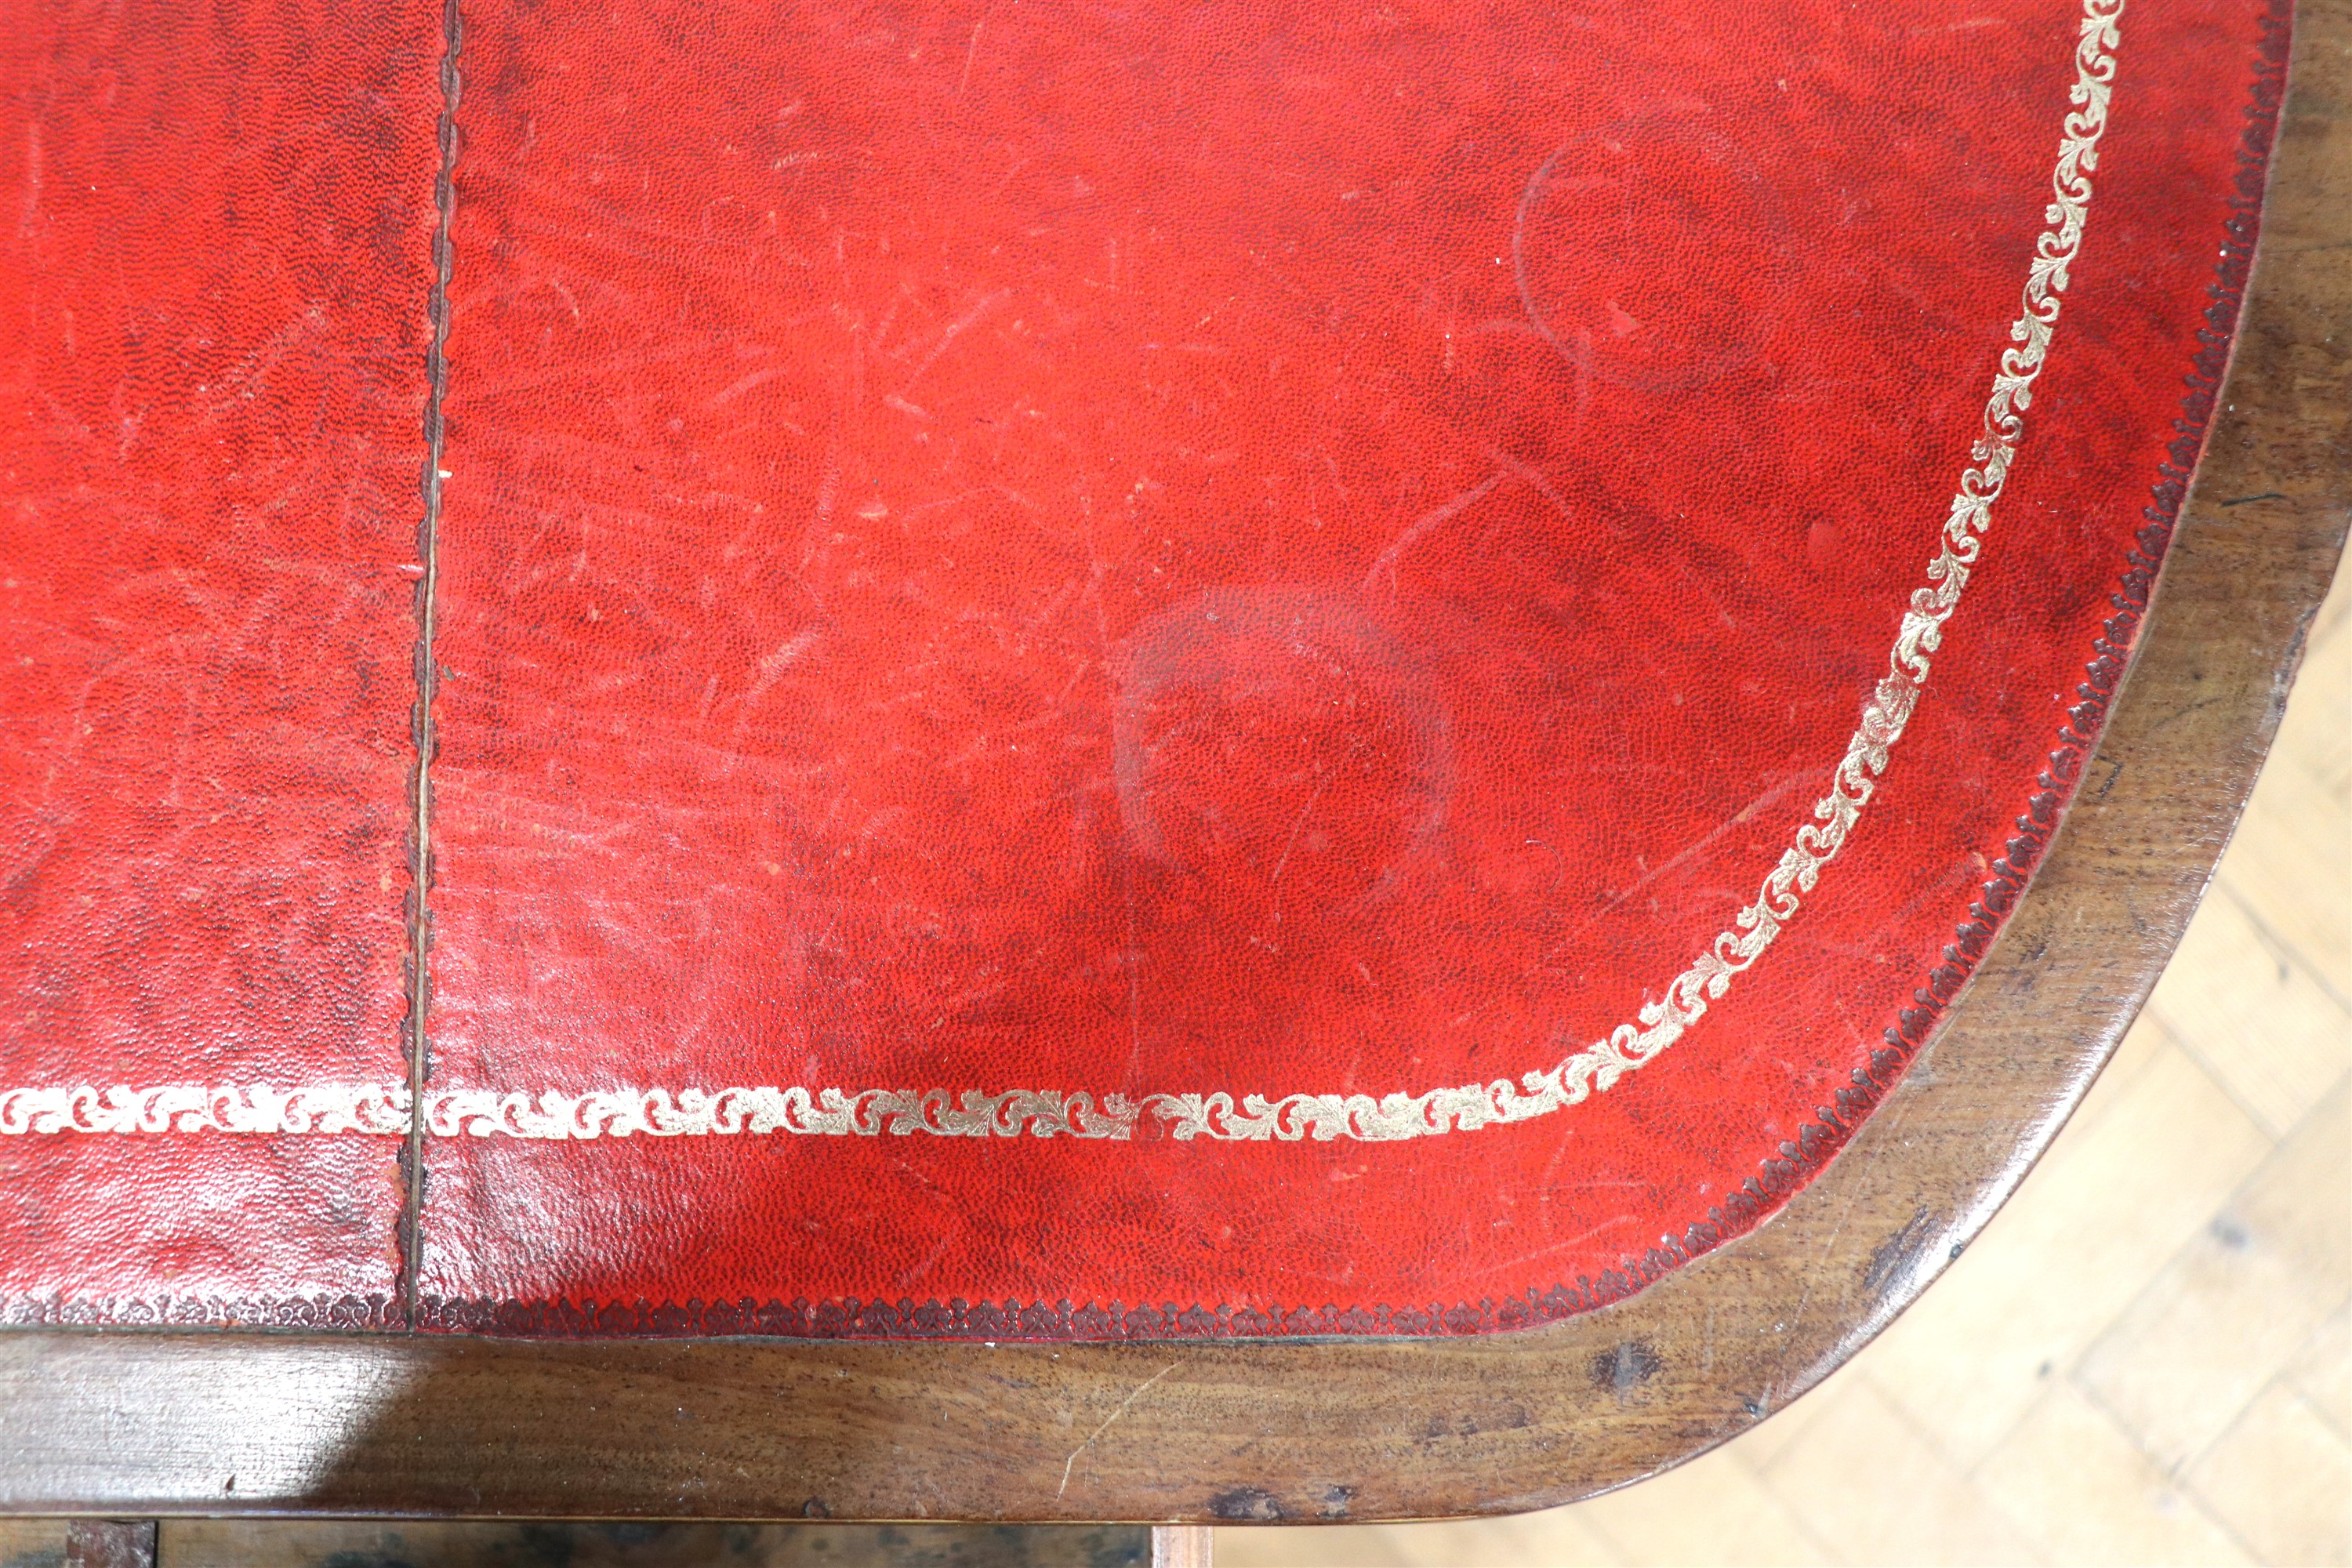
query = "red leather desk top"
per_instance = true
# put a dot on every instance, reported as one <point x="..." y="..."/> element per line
<point x="1089" y="671"/>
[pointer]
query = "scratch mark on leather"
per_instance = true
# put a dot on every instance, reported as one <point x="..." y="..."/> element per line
<point x="420" y="914"/>
<point x="1773" y="794"/>
<point x="1429" y="520"/>
<point x="955" y="329"/>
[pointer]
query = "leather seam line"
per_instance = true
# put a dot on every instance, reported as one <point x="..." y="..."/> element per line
<point x="1224" y="1116"/>
<point x="429" y="543"/>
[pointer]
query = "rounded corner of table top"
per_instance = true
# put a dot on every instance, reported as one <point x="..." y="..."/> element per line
<point x="1340" y="1427"/>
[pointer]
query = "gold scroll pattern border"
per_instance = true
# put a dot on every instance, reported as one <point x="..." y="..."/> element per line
<point x="386" y="1111"/>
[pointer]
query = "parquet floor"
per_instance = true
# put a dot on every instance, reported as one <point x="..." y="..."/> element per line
<point x="2146" y="1358"/>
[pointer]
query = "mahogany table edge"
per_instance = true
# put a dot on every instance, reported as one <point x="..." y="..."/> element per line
<point x="172" y="1422"/>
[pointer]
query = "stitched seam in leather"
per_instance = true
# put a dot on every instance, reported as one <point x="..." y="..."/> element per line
<point x="1796" y="1162"/>
<point x="420" y="914"/>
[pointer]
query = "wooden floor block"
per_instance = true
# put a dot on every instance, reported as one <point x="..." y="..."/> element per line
<point x="2321" y="1372"/>
<point x="1713" y="1510"/>
<point x="2291" y="863"/>
<point x="2069" y="1478"/>
<point x="2282" y="1476"/>
<point x="2092" y="1226"/>
<point x="1869" y="1480"/>
<point x="1556" y="1539"/>
<point x="2241" y="1002"/>
<point x="2230" y="1311"/>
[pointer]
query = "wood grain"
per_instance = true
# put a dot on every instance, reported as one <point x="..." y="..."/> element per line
<point x="137" y="1422"/>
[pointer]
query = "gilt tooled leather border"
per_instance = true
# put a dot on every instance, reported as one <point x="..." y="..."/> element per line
<point x="1795" y="1162"/>
<point x="1778" y="1174"/>
<point x="411" y="1111"/>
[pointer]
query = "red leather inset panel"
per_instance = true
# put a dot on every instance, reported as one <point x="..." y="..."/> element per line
<point x="213" y="265"/>
<point x="1250" y="552"/>
<point x="1178" y="670"/>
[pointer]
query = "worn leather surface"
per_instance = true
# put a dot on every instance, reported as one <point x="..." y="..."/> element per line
<point x="1126" y="552"/>
<point x="212" y="272"/>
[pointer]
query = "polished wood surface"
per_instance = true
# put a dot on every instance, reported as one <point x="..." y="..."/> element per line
<point x="137" y="1422"/>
